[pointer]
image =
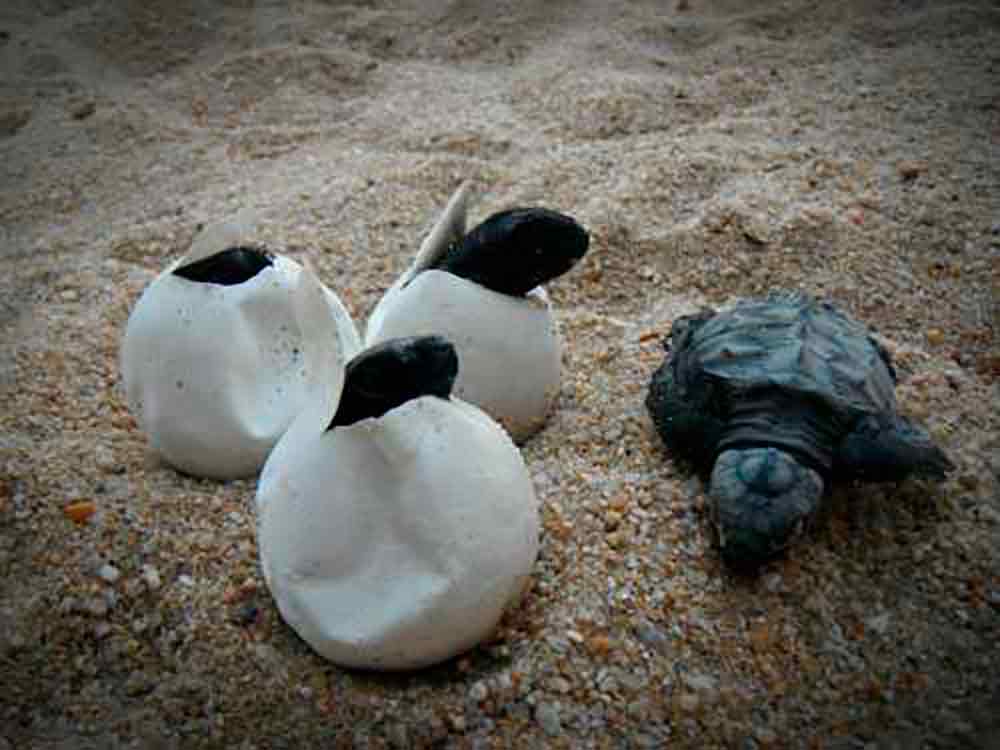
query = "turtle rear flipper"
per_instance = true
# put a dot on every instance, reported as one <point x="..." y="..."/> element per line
<point x="889" y="448"/>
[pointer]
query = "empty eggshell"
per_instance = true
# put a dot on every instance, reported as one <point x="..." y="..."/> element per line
<point x="216" y="372"/>
<point x="397" y="541"/>
<point x="508" y="347"/>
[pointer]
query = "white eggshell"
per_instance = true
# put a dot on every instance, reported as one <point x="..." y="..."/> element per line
<point x="215" y="374"/>
<point x="508" y="347"/>
<point x="396" y="542"/>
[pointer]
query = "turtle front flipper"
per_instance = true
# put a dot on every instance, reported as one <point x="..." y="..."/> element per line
<point x="889" y="448"/>
<point x="514" y="251"/>
<point x="686" y="419"/>
<point x="688" y="411"/>
<point x="762" y="500"/>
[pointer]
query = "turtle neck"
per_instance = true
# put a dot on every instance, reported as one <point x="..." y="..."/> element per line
<point x="803" y="427"/>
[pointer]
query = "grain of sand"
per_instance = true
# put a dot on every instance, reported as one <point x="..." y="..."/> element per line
<point x="714" y="149"/>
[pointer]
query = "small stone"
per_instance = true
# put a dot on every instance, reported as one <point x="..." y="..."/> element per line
<point x="13" y="118"/>
<point x="701" y="682"/>
<point x="773" y="583"/>
<point x="398" y="736"/>
<point x="756" y="230"/>
<point x="109" y="573"/>
<point x="651" y="636"/>
<point x="560" y="685"/>
<point x="151" y="576"/>
<point x="911" y="169"/>
<point x="879" y="623"/>
<point x="935" y="336"/>
<point x="98" y="607"/>
<point x="689" y="702"/>
<point x="479" y="692"/>
<point x="80" y="511"/>
<point x="765" y="736"/>
<point x="138" y="684"/>
<point x="245" y="615"/>
<point x="547" y="716"/>
<point x="16" y="642"/>
<point x="457" y="723"/>
<point x="83" y="110"/>
<point x="102" y="630"/>
<point x="599" y="645"/>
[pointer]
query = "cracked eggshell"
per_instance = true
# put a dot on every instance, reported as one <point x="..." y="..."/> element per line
<point x="215" y="374"/>
<point x="396" y="542"/>
<point x="508" y="347"/>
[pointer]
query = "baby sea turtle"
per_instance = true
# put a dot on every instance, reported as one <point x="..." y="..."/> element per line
<point x="778" y="397"/>
<point x="395" y="524"/>
<point x="215" y="361"/>
<point x="481" y="290"/>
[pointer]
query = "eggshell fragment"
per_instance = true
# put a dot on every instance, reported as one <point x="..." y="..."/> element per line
<point x="508" y="347"/>
<point x="396" y="542"/>
<point x="215" y="373"/>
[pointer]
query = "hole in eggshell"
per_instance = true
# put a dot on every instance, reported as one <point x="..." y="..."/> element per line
<point x="227" y="268"/>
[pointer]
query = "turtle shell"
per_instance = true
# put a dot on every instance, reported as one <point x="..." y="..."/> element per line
<point x="802" y="347"/>
<point x="785" y="371"/>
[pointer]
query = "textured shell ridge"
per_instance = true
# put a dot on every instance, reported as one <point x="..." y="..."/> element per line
<point x="791" y="342"/>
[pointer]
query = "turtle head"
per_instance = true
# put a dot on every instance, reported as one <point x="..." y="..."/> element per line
<point x="762" y="498"/>
<point x="514" y="251"/>
<point x="396" y="371"/>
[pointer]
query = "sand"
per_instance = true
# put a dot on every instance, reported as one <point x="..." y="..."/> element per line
<point x="714" y="150"/>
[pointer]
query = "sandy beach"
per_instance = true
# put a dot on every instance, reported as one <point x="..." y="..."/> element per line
<point x="714" y="149"/>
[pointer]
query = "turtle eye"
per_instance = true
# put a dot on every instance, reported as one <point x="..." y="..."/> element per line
<point x="227" y="268"/>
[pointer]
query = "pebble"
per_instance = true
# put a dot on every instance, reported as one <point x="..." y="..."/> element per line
<point x="479" y="692"/>
<point x="765" y="736"/>
<point x="547" y="716"/>
<point x="560" y="685"/>
<point x="652" y="636"/>
<point x="911" y="169"/>
<point x="689" y="702"/>
<point x="80" y="511"/>
<point x="109" y="573"/>
<point x="98" y="607"/>
<point x="398" y="736"/>
<point x="701" y="682"/>
<point x="152" y="577"/>
<point x="138" y="683"/>
<point x="83" y="110"/>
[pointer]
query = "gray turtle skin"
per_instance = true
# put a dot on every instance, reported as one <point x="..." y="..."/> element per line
<point x="778" y="397"/>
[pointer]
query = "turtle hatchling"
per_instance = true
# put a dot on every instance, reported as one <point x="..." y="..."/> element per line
<point x="778" y="397"/>
<point x="481" y="290"/>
